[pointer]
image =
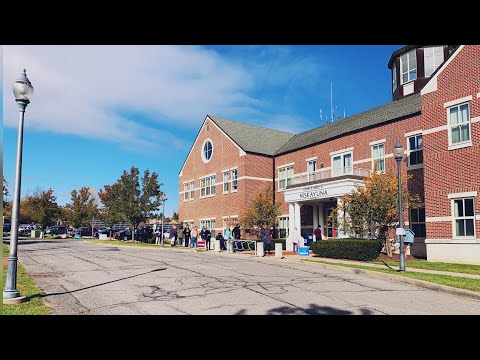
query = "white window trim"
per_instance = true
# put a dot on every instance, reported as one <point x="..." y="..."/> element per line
<point x="376" y="142"/>
<point x="342" y="154"/>
<point x="232" y="190"/>
<point x="478" y="95"/>
<point x="409" y="151"/>
<point x="200" y="187"/>
<point x="223" y="182"/>
<point x="462" y="195"/>
<point x="186" y="194"/>
<point x="202" y="152"/>
<point x="463" y="144"/>
<point x="457" y="102"/>
<point x="425" y="62"/>
<point x="337" y="152"/>
<point x="372" y="144"/>
<point x="413" y="133"/>
<point x="475" y="119"/>
<point x="454" y="234"/>
<point x="310" y="159"/>
<point x="408" y="70"/>
<point x="190" y="190"/>
<point x="285" y="165"/>
<point x="207" y="219"/>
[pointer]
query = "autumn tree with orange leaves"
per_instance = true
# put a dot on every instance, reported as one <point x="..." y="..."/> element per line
<point x="375" y="205"/>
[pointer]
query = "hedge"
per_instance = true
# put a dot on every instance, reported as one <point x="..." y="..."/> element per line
<point x="353" y="249"/>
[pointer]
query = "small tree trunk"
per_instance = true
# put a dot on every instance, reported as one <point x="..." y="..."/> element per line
<point x="388" y="247"/>
<point x="133" y="233"/>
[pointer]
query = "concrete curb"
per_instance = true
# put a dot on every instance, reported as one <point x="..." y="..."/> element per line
<point x="397" y="278"/>
<point x="140" y="247"/>
<point x="15" y="301"/>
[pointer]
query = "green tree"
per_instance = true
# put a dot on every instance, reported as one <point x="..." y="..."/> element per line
<point x="175" y="216"/>
<point x="41" y="207"/>
<point x="261" y="211"/>
<point x="376" y="203"/>
<point x="83" y="207"/>
<point x="131" y="200"/>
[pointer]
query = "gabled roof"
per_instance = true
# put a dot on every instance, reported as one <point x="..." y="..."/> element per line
<point x="382" y="114"/>
<point x="252" y="138"/>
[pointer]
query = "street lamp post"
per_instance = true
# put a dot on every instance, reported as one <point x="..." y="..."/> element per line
<point x="23" y="91"/>
<point x="398" y="154"/>
<point x="164" y="198"/>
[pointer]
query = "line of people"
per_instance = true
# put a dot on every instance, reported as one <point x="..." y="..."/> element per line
<point x="184" y="236"/>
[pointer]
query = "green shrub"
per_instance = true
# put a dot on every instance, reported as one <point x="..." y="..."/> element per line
<point x="275" y="241"/>
<point x="353" y="249"/>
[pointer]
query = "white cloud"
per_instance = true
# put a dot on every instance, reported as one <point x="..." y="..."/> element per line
<point x="94" y="91"/>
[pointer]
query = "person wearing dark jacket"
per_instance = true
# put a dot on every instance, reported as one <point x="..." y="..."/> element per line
<point x="236" y="232"/>
<point x="186" y="235"/>
<point x="208" y="236"/>
<point x="222" y="241"/>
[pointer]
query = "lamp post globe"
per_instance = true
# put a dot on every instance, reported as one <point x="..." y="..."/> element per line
<point x="398" y="154"/>
<point x="23" y="92"/>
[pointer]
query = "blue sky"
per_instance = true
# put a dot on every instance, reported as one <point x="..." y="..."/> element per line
<point x="98" y="110"/>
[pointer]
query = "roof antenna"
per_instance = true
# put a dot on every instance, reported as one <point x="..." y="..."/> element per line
<point x="331" y="100"/>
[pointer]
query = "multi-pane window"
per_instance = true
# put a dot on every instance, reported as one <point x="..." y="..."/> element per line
<point x="225" y="181"/>
<point x="433" y="56"/>
<point x="185" y="191"/>
<point x="311" y="168"/>
<point x="285" y="176"/>
<point x="415" y="144"/>
<point x="192" y="189"/>
<point x="417" y="222"/>
<point x="283" y="226"/>
<point x="464" y="217"/>
<point x="207" y="186"/>
<point x="342" y="164"/>
<point x="210" y="224"/>
<point x="394" y="77"/>
<point x="378" y="157"/>
<point x="234" y="180"/>
<point x="408" y="66"/>
<point x="229" y="222"/>
<point x="459" y="119"/>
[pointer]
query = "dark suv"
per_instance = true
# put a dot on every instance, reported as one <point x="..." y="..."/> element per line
<point x="84" y="231"/>
<point x="58" y="230"/>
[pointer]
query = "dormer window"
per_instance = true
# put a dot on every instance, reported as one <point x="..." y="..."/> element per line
<point x="408" y="66"/>
<point x="433" y="56"/>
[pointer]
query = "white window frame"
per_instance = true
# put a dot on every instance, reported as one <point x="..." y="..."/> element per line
<point x="408" y="55"/>
<point x="311" y="174"/>
<point x="342" y="158"/>
<point x="283" y="173"/>
<point x="226" y="174"/>
<point x="209" y="223"/>
<point x="411" y="222"/>
<point x="192" y="189"/>
<point x="185" y="191"/>
<point x="464" y="217"/>
<point x="286" y="221"/>
<point x="204" y="159"/>
<point x="394" y="77"/>
<point x="435" y="65"/>
<point x="378" y="158"/>
<point x="465" y="143"/>
<point x="234" y="179"/>
<point x="207" y="186"/>
<point x="410" y="152"/>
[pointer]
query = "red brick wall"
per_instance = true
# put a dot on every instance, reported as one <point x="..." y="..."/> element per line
<point x="225" y="156"/>
<point x="451" y="171"/>
<point x="362" y="150"/>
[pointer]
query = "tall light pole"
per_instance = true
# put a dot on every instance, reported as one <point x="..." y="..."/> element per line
<point x="398" y="154"/>
<point x="23" y="91"/>
<point x="164" y="198"/>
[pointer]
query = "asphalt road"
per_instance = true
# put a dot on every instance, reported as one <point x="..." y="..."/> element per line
<point x="81" y="278"/>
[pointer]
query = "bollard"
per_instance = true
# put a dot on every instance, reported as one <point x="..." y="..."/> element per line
<point x="260" y="248"/>
<point x="278" y="250"/>
<point x="230" y="246"/>
<point x="217" y="245"/>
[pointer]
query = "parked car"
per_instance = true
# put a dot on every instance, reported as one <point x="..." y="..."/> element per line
<point x="123" y="235"/>
<point x="25" y="229"/>
<point x="58" y="230"/>
<point x="49" y="229"/>
<point x="7" y="227"/>
<point x="102" y="231"/>
<point x="84" y="231"/>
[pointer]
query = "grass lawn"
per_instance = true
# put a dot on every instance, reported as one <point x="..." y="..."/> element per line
<point x="448" y="280"/>
<point x="441" y="266"/>
<point x="26" y="286"/>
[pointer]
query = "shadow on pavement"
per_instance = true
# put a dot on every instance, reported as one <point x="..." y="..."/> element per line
<point x="92" y="286"/>
<point x="313" y="309"/>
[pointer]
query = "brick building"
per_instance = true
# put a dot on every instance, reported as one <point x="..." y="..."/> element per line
<point x="435" y="113"/>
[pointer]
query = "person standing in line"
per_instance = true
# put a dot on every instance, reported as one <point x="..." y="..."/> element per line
<point x="262" y="237"/>
<point x="186" y="234"/>
<point x="222" y="241"/>
<point x="180" y="235"/>
<point x="267" y="239"/>
<point x="208" y="236"/>
<point x="236" y="232"/>
<point x="175" y="234"/>
<point x="318" y="233"/>
<point x="194" y="237"/>
<point x="228" y="236"/>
